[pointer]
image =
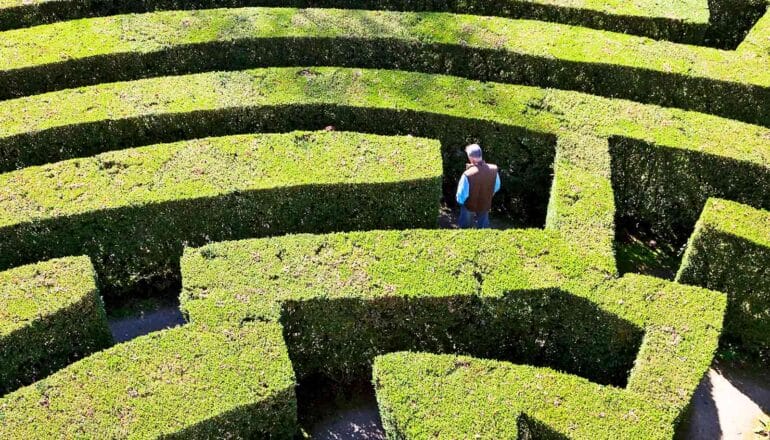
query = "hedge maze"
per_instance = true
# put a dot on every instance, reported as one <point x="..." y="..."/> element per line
<point x="285" y="162"/>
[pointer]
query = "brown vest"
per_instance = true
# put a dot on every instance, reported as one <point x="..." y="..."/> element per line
<point x="481" y="179"/>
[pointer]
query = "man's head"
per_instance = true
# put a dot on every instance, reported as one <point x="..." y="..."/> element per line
<point x="474" y="153"/>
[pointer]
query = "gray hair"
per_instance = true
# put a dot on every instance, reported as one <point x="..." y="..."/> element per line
<point x="473" y="150"/>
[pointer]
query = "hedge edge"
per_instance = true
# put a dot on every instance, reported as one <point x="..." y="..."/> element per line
<point x="52" y="315"/>
<point x="728" y="252"/>
<point x="185" y="382"/>
<point x="133" y="211"/>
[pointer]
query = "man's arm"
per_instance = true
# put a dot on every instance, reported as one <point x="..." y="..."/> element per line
<point x="497" y="182"/>
<point x="462" y="190"/>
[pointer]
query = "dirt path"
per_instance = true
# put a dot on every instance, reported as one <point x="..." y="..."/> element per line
<point x="728" y="405"/>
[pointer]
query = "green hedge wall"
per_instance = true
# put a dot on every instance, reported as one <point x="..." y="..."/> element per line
<point x="51" y="315"/>
<point x="667" y="188"/>
<point x="360" y="284"/>
<point x="685" y="21"/>
<point x="731" y="20"/>
<point x="133" y="211"/>
<point x="517" y="125"/>
<point x="525" y="296"/>
<point x="424" y="395"/>
<point x="729" y="252"/>
<point x="615" y="65"/>
<point x="186" y="383"/>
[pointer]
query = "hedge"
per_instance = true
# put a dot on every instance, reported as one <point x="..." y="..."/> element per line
<point x="729" y="252"/>
<point x="667" y="188"/>
<point x="731" y="20"/>
<point x="51" y="315"/>
<point x="685" y="21"/>
<point x="724" y="83"/>
<point x="133" y="211"/>
<point x="180" y="383"/>
<point x="524" y="296"/>
<point x="424" y="395"/>
<point x="517" y="125"/>
<point x="757" y="42"/>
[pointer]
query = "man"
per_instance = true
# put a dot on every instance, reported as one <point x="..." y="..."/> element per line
<point x="478" y="184"/>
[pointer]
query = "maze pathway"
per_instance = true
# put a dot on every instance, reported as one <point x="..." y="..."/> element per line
<point x="142" y="140"/>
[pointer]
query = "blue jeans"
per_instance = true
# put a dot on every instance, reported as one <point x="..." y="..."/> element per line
<point x="466" y="218"/>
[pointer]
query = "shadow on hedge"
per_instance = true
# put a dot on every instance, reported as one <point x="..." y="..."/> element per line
<point x="339" y="338"/>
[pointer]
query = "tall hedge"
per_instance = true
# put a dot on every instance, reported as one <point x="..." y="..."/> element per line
<point x="50" y="315"/>
<point x="183" y="383"/>
<point x="517" y="125"/>
<point x="729" y="252"/>
<point x="523" y="296"/>
<point x="667" y="188"/>
<point x="685" y="21"/>
<point x="423" y="395"/>
<point x="615" y="65"/>
<point x="343" y="298"/>
<point x="133" y="211"/>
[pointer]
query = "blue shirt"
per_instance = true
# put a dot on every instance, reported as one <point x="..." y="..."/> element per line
<point x="464" y="185"/>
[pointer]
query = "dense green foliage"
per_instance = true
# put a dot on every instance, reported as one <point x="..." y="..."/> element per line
<point x="523" y="296"/>
<point x="456" y="397"/>
<point x="729" y="252"/>
<point x="51" y="315"/>
<point x="132" y="211"/>
<point x="127" y="173"/>
<point x="668" y="187"/>
<point x="685" y="21"/>
<point x="726" y="83"/>
<point x="184" y="383"/>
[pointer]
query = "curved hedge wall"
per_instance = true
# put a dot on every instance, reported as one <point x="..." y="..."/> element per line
<point x="729" y="252"/>
<point x="51" y="315"/>
<point x="187" y="382"/>
<point x="132" y="211"/>
<point x="685" y="21"/>
<point x="726" y="83"/>
<point x="517" y="124"/>
<point x="522" y="296"/>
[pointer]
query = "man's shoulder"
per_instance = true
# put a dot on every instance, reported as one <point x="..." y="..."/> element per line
<point x="470" y="170"/>
<point x="492" y="167"/>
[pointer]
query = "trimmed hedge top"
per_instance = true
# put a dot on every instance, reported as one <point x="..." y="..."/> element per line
<point x="254" y="280"/>
<point x="685" y="20"/>
<point x="38" y="291"/>
<point x="452" y="397"/>
<point x="153" y="32"/>
<point x="210" y="167"/>
<point x="50" y="315"/>
<point x="542" y="110"/>
<point x="739" y="220"/>
<point x="179" y="383"/>
<point x="520" y="40"/>
<point x="250" y="279"/>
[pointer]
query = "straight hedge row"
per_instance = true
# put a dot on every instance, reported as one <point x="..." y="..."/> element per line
<point x="132" y="211"/>
<point x="615" y="65"/>
<point x="729" y="252"/>
<point x="183" y="383"/>
<point x="684" y="21"/>
<point x="524" y="296"/>
<point x="518" y="126"/>
<point x="51" y="315"/>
